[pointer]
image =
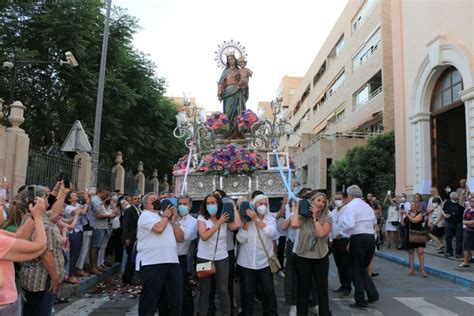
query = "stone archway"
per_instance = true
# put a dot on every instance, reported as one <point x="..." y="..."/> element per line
<point x="441" y="55"/>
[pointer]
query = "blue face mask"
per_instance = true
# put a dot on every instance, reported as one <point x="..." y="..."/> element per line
<point x="182" y="210"/>
<point x="212" y="209"/>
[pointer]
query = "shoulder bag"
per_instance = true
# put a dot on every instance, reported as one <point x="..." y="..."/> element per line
<point x="273" y="261"/>
<point x="208" y="268"/>
<point x="416" y="236"/>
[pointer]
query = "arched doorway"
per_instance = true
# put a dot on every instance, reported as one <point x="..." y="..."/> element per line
<point x="448" y="122"/>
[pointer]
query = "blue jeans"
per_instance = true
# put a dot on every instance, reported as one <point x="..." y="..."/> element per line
<point x="451" y="230"/>
<point x="75" y="242"/>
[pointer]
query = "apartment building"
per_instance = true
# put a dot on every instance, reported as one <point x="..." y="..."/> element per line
<point x="347" y="93"/>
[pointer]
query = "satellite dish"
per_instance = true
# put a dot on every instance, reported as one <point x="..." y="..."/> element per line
<point x="76" y="140"/>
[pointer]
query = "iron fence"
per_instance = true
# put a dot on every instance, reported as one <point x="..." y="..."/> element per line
<point x="44" y="168"/>
<point x="131" y="184"/>
<point x="106" y="179"/>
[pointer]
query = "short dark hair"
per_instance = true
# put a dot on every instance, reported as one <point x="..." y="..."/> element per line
<point x="436" y="200"/>
<point x="190" y="200"/>
<point x="203" y="210"/>
<point x="257" y="192"/>
<point x="221" y="192"/>
<point x="303" y="192"/>
<point x="344" y="195"/>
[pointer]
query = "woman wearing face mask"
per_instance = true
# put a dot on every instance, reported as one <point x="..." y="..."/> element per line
<point x="311" y="251"/>
<point x="253" y="258"/>
<point x="213" y="246"/>
<point x="436" y="223"/>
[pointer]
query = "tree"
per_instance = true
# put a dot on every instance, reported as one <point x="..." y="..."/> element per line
<point x="372" y="166"/>
<point x="137" y="119"/>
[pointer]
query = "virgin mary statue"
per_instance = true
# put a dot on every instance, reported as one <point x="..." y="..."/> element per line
<point x="231" y="93"/>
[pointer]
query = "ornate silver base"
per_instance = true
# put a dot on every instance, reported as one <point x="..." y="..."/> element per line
<point x="200" y="184"/>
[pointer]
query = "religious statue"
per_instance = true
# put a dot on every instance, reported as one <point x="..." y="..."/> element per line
<point x="245" y="74"/>
<point x="230" y="92"/>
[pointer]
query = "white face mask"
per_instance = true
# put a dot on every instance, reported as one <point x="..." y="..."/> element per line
<point x="338" y="203"/>
<point x="435" y="205"/>
<point x="402" y="200"/>
<point x="262" y="209"/>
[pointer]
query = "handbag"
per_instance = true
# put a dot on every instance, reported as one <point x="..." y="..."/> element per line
<point x="416" y="236"/>
<point x="273" y="261"/>
<point x="207" y="268"/>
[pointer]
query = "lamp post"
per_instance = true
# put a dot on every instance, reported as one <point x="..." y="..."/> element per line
<point x="100" y="98"/>
<point x="266" y="133"/>
<point x="13" y="66"/>
<point x="190" y="124"/>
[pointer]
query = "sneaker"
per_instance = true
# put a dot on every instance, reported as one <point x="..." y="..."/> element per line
<point x="292" y="310"/>
<point x="314" y="310"/>
<point x="464" y="265"/>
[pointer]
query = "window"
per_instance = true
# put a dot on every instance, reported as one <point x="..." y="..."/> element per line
<point x="369" y="90"/>
<point x="446" y="93"/>
<point x="336" y="84"/>
<point x="320" y="102"/>
<point x="320" y="72"/>
<point x="337" y="115"/>
<point x="362" y="14"/>
<point x="305" y="94"/>
<point x="337" y="48"/>
<point x="304" y="174"/>
<point x="369" y="47"/>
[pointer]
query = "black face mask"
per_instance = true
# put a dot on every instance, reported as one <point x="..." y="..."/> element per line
<point x="156" y="205"/>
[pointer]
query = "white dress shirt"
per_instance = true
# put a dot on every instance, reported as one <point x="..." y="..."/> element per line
<point x="291" y="231"/>
<point x="188" y="225"/>
<point x="337" y="228"/>
<point x="251" y="253"/>
<point x="358" y="218"/>
<point x="153" y="248"/>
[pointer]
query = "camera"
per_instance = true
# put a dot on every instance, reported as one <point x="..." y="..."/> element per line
<point x="62" y="176"/>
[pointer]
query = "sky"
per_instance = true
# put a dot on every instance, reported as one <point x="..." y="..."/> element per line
<point x="281" y="38"/>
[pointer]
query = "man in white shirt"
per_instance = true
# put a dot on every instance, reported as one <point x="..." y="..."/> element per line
<point x="359" y="220"/>
<point x="188" y="228"/>
<point x="340" y="240"/>
<point x="157" y="257"/>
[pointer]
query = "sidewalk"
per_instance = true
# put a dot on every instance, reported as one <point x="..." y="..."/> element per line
<point x="67" y="290"/>
<point x="435" y="264"/>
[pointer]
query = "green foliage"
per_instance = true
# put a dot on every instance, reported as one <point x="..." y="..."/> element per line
<point x="137" y="119"/>
<point x="372" y="166"/>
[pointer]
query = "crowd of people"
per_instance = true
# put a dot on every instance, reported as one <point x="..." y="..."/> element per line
<point x="50" y="237"/>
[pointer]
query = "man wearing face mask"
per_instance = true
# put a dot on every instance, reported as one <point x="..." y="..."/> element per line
<point x="187" y="227"/>
<point x="453" y="224"/>
<point x="339" y="244"/>
<point x="129" y="236"/>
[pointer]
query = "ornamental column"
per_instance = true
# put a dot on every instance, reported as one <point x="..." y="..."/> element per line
<point x="421" y="148"/>
<point x="467" y="95"/>
<point x="140" y="177"/>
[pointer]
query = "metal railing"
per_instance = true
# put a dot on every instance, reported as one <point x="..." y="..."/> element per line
<point x="106" y="179"/>
<point x="44" y="169"/>
<point x="369" y="97"/>
<point x="338" y="134"/>
<point x="131" y="184"/>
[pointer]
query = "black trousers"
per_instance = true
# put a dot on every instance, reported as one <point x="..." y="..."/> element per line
<point x="153" y="279"/>
<point x="452" y="230"/>
<point x="343" y="262"/>
<point x="264" y="279"/>
<point x="188" y="303"/>
<point x="361" y="251"/>
<point x="115" y="246"/>
<point x="39" y="303"/>
<point x="306" y="271"/>
<point x="281" y="250"/>
<point x="127" y="276"/>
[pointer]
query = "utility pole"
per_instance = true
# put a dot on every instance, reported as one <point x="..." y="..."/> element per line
<point x="100" y="98"/>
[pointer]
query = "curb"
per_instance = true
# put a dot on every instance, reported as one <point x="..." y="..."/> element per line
<point x="457" y="279"/>
<point x="68" y="290"/>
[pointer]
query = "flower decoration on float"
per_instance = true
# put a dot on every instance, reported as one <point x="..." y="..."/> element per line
<point x="232" y="159"/>
<point x="218" y="122"/>
<point x="246" y="120"/>
<point x="180" y="165"/>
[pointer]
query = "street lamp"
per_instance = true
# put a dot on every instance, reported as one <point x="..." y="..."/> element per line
<point x="266" y="133"/>
<point x="190" y="124"/>
<point x="12" y="66"/>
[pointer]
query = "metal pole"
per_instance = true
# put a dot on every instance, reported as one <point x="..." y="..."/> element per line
<point x="100" y="97"/>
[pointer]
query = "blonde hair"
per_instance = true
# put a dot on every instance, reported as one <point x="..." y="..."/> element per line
<point x="313" y="195"/>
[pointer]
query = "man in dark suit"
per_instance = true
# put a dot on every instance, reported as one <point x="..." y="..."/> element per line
<point x="129" y="236"/>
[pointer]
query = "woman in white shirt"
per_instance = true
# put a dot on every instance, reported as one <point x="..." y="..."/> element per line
<point x="213" y="246"/>
<point x="253" y="257"/>
<point x="436" y="223"/>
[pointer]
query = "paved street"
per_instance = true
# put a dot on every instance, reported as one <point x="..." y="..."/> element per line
<point x="400" y="294"/>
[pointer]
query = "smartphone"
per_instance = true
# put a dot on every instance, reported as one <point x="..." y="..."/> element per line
<point x="168" y="201"/>
<point x="389" y="192"/>
<point x="66" y="182"/>
<point x="402" y="207"/>
<point x="31" y="195"/>
<point x="304" y="208"/>
<point x="228" y="207"/>
<point x="244" y="206"/>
